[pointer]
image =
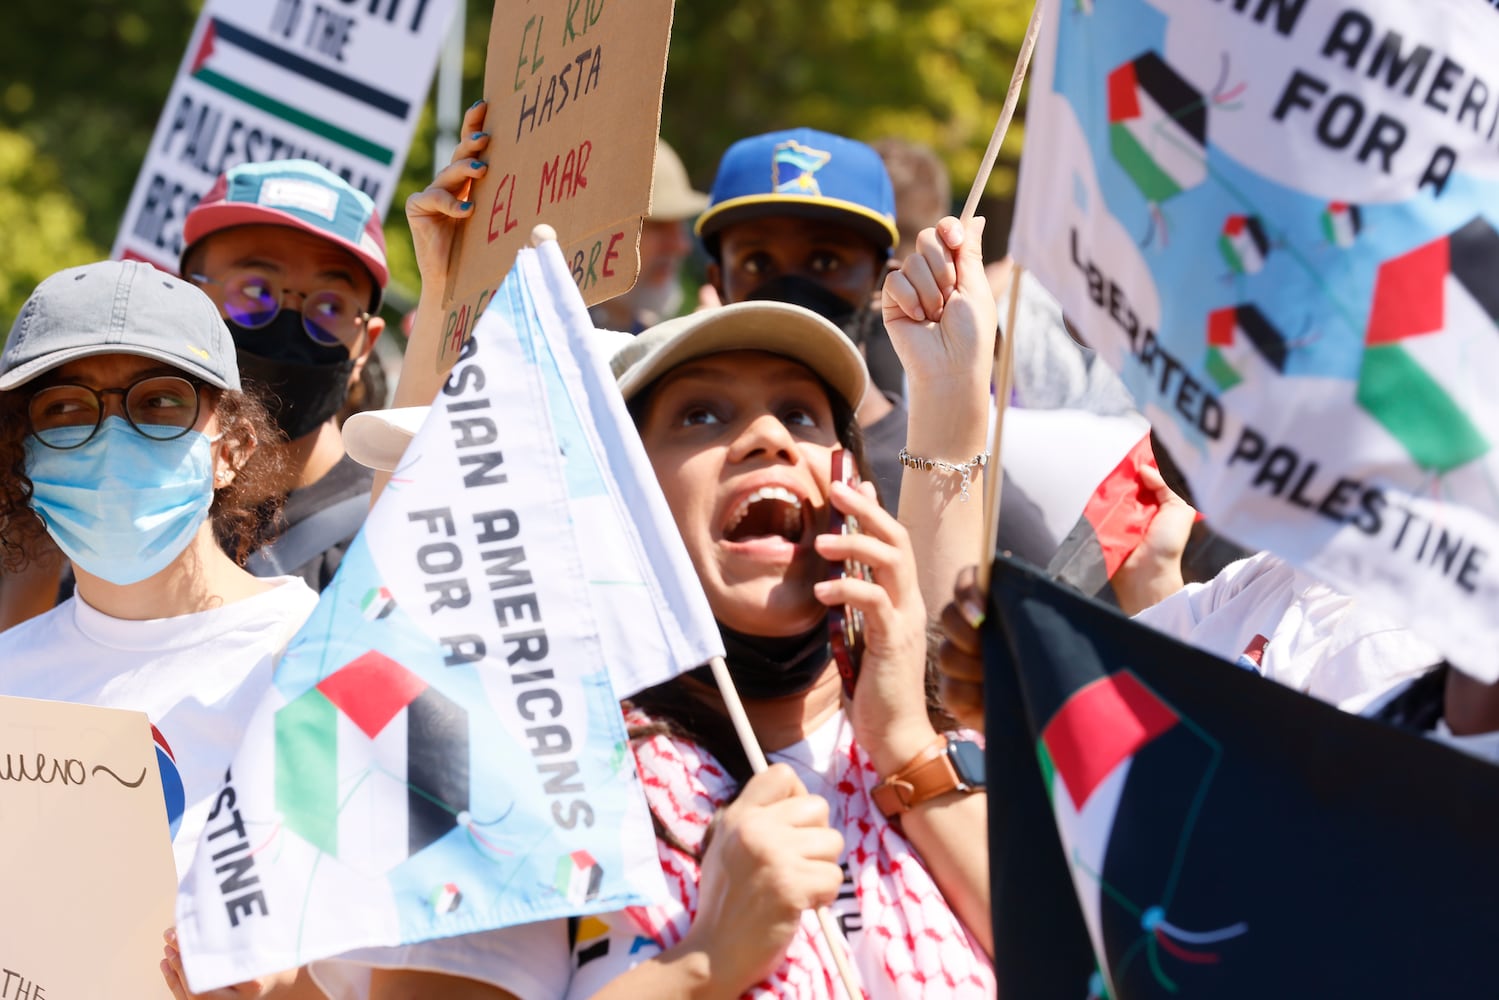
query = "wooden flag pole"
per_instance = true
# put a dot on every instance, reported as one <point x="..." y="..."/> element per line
<point x="751" y="743"/>
<point x="1004" y="377"/>
<point x="1006" y="113"/>
<point x="1003" y="371"/>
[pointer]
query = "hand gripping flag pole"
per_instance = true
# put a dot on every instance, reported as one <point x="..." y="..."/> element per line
<point x="757" y="762"/>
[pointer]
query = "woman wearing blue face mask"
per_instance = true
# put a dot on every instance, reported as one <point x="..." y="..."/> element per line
<point x="125" y="437"/>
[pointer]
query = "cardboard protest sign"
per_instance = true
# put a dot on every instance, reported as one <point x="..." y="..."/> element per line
<point x="340" y="84"/>
<point x="574" y="93"/>
<point x="1278" y="221"/>
<point x="89" y="878"/>
<point x="442" y="750"/>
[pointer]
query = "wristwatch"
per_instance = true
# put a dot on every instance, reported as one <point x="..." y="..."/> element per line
<point x="948" y="764"/>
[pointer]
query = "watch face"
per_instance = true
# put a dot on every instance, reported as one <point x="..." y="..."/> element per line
<point x="968" y="760"/>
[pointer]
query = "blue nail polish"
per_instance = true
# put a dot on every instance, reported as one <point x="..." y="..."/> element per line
<point x="479" y="135"/>
<point x="465" y="205"/>
<point x="477" y="164"/>
<point x="476" y="104"/>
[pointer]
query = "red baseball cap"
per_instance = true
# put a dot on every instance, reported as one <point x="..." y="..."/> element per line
<point x="297" y="193"/>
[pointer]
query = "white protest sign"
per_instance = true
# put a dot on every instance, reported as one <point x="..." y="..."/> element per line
<point x="341" y="83"/>
<point x="89" y="879"/>
<point x="1277" y="221"/>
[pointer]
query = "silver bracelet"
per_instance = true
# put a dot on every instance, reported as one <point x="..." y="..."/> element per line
<point x="964" y="469"/>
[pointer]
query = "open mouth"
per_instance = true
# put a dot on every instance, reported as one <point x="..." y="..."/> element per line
<point x="768" y="512"/>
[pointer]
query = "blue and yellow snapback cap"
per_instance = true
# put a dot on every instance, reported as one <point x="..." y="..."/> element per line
<point x="806" y="173"/>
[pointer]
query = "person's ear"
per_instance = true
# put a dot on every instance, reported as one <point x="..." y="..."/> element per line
<point x="715" y="277"/>
<point x="233" y="449"/>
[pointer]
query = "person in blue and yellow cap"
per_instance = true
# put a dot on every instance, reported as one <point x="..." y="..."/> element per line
<point x="808" y="217"/>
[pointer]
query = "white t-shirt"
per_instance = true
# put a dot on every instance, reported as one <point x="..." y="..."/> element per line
<point x="197" y="677"/>
<point x="1267" y="616"/>
<point x="550" y="961"/>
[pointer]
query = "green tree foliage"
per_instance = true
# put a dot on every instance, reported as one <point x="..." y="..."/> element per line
<point x="41" y="225"/>
<point x="933" y="71"/>
<point x="85" y="81"/>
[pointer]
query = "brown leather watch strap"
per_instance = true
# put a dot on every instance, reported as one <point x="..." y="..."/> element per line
<point x="927" y="775"/>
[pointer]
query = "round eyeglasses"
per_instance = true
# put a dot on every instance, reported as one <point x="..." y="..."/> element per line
<point x="160" y="407"/>
<point x="331" y="318"/>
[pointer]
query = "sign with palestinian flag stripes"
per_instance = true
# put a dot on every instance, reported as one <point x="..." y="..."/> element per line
<point x="443" y="751"/>
<point x="337" y="83"/>
<point x="1279" y="222"/>
<point x="1165" y="825"/>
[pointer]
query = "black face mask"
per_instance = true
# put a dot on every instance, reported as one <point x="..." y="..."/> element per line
<point x="306" y="382"/>
<point x="854" y="321"/>
<point x="764" y="667"/>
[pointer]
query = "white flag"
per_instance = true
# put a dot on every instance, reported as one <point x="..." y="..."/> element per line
<point x="442" y="750"/>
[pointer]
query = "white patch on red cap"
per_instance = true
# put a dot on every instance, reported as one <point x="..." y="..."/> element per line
<point x="368" y="245"/>
<point x="288" y="192"/>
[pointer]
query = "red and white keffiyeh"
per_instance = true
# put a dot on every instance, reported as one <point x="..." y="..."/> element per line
<point x="911" y="944"/>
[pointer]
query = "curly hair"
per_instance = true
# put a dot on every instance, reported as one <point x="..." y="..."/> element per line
<point x="240" y="509"/>
<point x="245" y="423"/>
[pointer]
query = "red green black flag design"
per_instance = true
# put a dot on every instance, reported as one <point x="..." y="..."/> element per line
<point x="1195" y="830"/>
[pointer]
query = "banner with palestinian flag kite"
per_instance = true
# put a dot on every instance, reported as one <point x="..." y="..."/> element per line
<point x="1278" y="221"/>
<point x="1166" y="825"/>
<point x="442" y="750"/>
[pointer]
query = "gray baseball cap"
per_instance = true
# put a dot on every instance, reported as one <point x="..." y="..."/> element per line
<point x="119" y="307"/>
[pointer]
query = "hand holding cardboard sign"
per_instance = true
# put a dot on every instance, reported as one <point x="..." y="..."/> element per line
<point x="435" y="212"/>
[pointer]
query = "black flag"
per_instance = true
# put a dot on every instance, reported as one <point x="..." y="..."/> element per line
<point x="1164" y="825"/>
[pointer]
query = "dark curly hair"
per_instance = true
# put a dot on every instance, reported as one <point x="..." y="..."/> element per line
<point x="245" y="423"/>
